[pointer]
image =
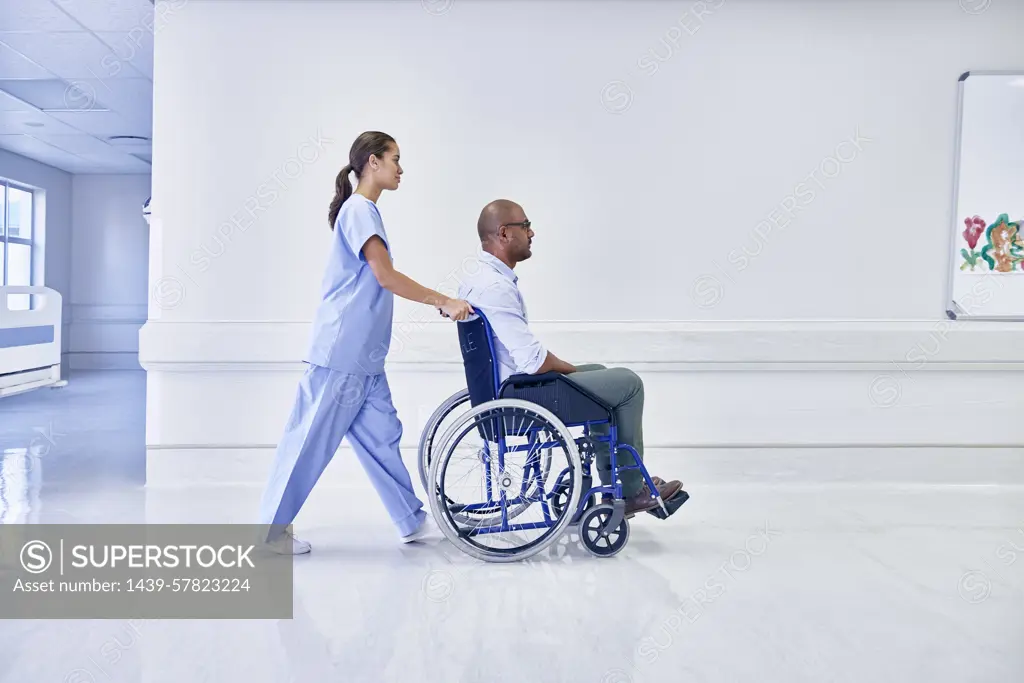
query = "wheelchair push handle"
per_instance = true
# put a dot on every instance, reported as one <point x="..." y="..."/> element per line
<point x="445" y="315"/>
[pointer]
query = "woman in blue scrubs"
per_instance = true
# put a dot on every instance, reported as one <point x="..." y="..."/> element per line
<point x="344" y="391"/>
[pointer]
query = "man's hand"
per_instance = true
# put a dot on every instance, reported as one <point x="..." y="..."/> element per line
<point x="456" y="309"/>
<point x="553" y="363"/>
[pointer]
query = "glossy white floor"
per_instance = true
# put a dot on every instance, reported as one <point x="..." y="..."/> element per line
<point x="798" y="566"/>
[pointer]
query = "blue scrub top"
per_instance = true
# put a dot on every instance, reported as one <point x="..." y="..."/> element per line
<point x="352" y="327"/>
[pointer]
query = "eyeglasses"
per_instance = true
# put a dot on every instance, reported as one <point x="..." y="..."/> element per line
<point x="522" y="224"/>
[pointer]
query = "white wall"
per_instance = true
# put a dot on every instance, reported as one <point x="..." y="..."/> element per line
<point x="55" y="237"/>
<point x="109" y="270"/>
<point x="785" y="160"/>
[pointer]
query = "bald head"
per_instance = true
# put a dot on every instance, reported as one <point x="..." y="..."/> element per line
<point x="505" y="232"/>
<point x="493" y="215"/>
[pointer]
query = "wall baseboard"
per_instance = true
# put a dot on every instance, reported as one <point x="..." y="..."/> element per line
<point x="108" y="313"/>
<point x="225" y="390"/>
<point x="115" y="360"/>
<point x="695" y="467"/>
<point x="104" y="330"/>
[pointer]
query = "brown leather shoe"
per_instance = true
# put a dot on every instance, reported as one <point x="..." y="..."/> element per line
<point x="658" y="481"/>
<point x="643" y="501"/>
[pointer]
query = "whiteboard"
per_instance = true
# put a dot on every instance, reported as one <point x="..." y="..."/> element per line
<point x="986" y="279"/>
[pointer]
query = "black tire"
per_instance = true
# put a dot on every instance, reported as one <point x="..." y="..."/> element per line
<point x="466" y="530"/>
<point x="596" y="537"/>
<point x="428" y="438"/>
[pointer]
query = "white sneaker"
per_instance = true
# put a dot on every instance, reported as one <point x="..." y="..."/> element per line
<point x="427" y="530"/>
<point x="289" y="544"/>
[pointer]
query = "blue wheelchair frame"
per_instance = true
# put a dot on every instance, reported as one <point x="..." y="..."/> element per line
<point x="573" y="405"/>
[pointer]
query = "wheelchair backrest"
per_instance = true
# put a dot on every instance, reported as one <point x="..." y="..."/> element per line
<point x="478" y="359"/>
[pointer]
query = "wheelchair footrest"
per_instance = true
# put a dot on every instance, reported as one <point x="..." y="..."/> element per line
<point x="673" y="504"/>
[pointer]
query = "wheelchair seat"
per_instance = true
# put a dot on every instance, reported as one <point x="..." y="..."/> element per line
<point x="570" y="403"/>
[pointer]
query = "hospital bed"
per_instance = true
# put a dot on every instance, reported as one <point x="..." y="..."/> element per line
<point x="30" y="340"/>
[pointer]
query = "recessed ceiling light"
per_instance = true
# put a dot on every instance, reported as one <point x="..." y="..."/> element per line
<point x="34" y="124"/>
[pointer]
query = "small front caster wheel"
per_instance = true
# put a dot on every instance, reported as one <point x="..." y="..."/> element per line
<point x="597" y="538"/>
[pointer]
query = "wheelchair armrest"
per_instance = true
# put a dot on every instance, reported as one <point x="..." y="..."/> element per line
<point x="552" y="390"/>
<point x="524" y="380"/>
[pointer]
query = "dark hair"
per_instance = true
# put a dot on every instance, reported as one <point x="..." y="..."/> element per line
<point x="372" y="142"/>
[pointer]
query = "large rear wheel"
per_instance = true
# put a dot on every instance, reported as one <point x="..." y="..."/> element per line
<point x="495" y="470"/>
<point x="452" y="407"/>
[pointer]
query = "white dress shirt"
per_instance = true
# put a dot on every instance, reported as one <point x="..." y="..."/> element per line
<point x="494" y="291"/>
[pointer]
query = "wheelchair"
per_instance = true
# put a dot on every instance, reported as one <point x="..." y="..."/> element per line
<point x="507" y="475"/>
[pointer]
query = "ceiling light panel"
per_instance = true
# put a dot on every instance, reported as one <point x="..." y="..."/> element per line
<point x="29" y="146"/>
<point x="75" y="144"/>
<point x="71" y="55"/>
<point x="124" y="95"/>
<point x="16" y="122"/>
<point x="117" y="163"/>
<point x="55" y="94"/>
<point x="9" y="102"/>
<point x="15" y="65"/>
<point x="111" y="15"/>
<point x="101" y="124"/>
<point x="35" y="15"/>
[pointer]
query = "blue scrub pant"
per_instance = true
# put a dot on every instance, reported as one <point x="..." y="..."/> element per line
<point x="331" y="405"/>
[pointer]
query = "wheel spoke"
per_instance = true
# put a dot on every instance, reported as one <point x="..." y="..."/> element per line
<point x="535" y="508"/>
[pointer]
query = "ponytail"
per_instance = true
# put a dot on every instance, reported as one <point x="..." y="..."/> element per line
<point x="342" y="191"/>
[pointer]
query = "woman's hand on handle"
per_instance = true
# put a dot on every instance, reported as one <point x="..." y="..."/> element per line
<point x="456" y="309"/>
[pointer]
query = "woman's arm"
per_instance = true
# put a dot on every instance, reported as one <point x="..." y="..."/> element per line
<point x="379" y="260"/>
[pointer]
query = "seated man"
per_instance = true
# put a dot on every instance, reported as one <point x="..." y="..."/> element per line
<point x="505" y="240"/>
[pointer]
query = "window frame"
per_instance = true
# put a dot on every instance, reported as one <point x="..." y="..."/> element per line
<point x="6" y="238"/>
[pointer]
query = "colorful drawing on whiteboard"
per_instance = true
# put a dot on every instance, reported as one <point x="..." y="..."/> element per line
<point x="1003" y="250"/>
<point x="972" y="233"/>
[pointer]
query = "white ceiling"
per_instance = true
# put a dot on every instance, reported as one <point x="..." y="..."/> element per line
<point x="74" y="73"/>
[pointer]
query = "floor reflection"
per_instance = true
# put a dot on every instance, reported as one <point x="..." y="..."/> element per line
<point x="21" y="481"/>
<point x="864" y="580"/>
<point x="425" y="612"/>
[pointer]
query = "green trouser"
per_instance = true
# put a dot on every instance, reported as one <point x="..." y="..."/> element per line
<point x="622" y="389"/>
